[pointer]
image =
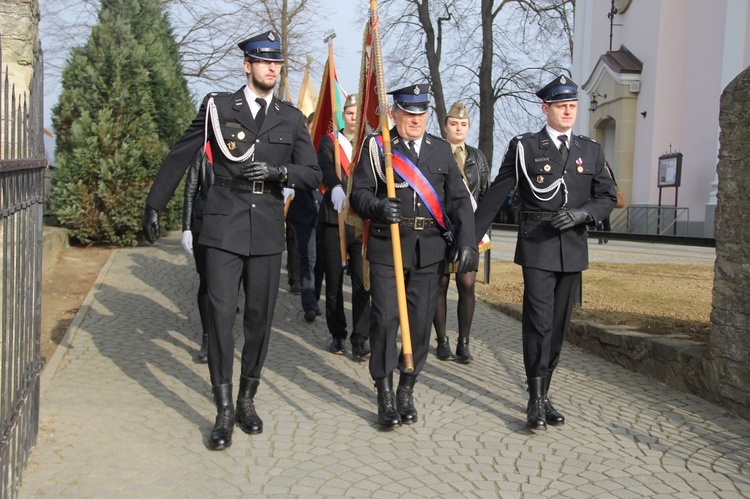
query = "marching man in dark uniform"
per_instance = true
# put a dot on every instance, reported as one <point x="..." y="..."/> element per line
<point x="200" y="177"/>
<point x="259" y="145"/>
<point x="563" y="186"/>
<point x="333" y="204"/>
<point x="427" y="181"/>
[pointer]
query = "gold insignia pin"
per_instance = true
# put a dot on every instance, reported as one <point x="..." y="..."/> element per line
<point x="231" y="145"/>
<point x="241" y="135"/>
<point x="580" y="169"/>
<point x="539" y="179"/>
<point x="547" y="168"/>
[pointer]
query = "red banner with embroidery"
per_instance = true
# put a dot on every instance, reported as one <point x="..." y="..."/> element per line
<point x="417" y="181"/>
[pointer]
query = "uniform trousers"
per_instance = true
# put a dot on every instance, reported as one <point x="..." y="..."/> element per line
<point x="547" y="306"/>
<point x="334" y="279"/>
<point x="306" y="245"/>
<point x="421" y="290"/>
<point x="260" y="277"/>
<point x="199" y="252"/>
<point x="292" y="256"/>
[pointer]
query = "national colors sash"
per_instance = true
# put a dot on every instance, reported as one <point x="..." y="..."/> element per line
<point x="417" y="181"/>
<point x="343" y="154"/>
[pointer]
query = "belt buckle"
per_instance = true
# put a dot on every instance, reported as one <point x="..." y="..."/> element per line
<point x="258" y="186"/>
<point x="419" y="223"/>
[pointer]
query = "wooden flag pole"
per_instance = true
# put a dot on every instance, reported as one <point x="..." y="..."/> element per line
<point x="336" y="154"/>
<point x="398" y="264"/>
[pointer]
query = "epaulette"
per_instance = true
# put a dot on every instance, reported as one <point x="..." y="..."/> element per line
<point x="587" y="138"/>
<point x="524" y="135"/>
<point x="219" y="94"/>
<point x="287" y="103"/>
<point x="437" y="137"/>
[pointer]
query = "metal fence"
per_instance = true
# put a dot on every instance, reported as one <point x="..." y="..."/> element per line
<point x="22" y="166"/>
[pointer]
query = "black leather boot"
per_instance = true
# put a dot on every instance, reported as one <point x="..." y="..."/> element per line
<point x="535" y="418"/>
<point x="405" y="399"/>
<point x="388" y="416"/>
<point x="462" y="351"/>
<point x="221" y="435"/>
<point x="247" y="419"/>
<point x="203" y="352"/>
<point x="444" y="349"/>
<point x="551" y="414"/>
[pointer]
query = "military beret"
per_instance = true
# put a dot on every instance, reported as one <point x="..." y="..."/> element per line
<point x="265" y="47"/>
<point x="558" y="90"/>
<point x="414" y="99"/>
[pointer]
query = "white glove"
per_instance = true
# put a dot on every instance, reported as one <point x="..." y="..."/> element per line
<point x="338" y="197"/>
<point x="187" y="242"/>
<point x="288" y="194"/>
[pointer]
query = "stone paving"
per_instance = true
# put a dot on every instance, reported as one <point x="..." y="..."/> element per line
<point x="126" y="412"/>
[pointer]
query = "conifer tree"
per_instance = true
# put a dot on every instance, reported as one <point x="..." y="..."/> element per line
<point x="124" y="102"/>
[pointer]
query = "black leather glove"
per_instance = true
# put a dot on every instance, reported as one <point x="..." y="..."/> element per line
<point x="566" y="219"/>
<point x="468" y="259"/>
<point x="260" y="170"/>
<point x="387" y="210"/>
<point x="150" y="224"/>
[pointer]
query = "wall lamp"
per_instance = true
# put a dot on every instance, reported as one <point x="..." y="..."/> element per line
<point x="593" y="104"/>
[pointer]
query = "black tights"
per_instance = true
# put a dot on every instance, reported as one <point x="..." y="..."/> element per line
<point x="466" y="304"/>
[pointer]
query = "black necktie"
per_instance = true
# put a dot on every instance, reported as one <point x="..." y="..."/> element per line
<point x="413" y="149"/>
<point x="261" y="114"/>
<point x="563" y="146"/>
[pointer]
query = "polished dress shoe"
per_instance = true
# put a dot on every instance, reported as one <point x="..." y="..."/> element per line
<point x="462" y="351"/>
<point x="388" y="417"/>
<point x="337" y="346"/>
<point x="221" y="434"/>
<point x="203" y="352"/>
<point x="310" y="315"/>
<point x="535" y="416"/>
<point x="361" y="349"/>
<point x="405" y="399"/>
<point x="444" y="349"/>
<point x="246" y="417"/>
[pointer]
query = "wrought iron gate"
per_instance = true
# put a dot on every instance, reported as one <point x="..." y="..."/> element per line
<point x="22" y="167"/>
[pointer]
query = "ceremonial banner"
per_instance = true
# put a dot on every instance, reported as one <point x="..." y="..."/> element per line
<point x="307" y="101"/>
<point x="326" y="121"/>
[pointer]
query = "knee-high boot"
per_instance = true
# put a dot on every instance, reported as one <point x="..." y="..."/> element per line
<point x="552" y="415"/>
<point x="247" y="419"/>
<point x="535" y="418"/>
<point x="405" y="399"/>
<point x="221" y="435"/>
<point x="388" y="416"/>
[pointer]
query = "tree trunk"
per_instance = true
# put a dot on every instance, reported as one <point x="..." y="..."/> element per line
<point x="433" y="47"/>
<point x="486" y="93"/>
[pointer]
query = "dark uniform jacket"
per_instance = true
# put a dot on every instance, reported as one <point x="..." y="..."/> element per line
<point x="477" y="172"/>
<point x="420" y="248"/>
<point x="589" y="187"/>
<point x="326" y="160"/>
<point x="238" y="220"/>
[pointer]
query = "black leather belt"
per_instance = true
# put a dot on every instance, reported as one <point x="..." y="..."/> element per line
<point x="537" y="216"/>
<point x="254" y="186"/>
<point x="417" y="223"/>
